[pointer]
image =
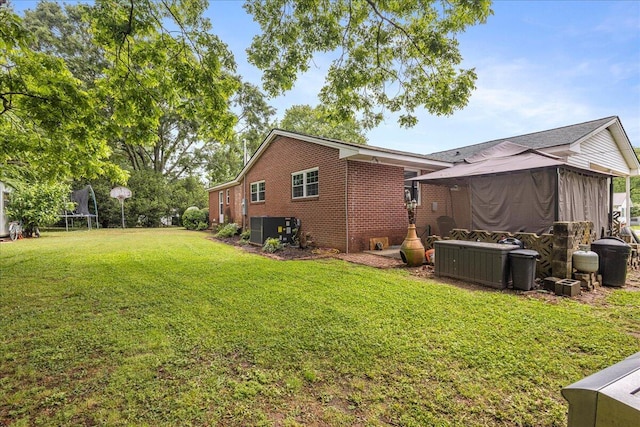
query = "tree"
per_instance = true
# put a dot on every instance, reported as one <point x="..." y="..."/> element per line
<point x="255" y="120"/>
<point x="165" y="88"/>
<point x="169" y="81"/>
<point x="318" y="122"/>
<point x="66" y="33"/>
<point x="37" y="204"/>
<point x="390" y="55"/>
<point x="634" y="190"/>
<point x="49" y="128"/>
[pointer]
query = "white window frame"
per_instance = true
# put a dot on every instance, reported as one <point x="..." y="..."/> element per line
<point x="418" y="185"/>
<point x="257" y="192"/>
<point x="228" y="196"/>
<point x="305" y="184"/>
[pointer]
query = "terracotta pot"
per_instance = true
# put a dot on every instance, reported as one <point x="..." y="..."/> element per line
<point x="412" y="250"/>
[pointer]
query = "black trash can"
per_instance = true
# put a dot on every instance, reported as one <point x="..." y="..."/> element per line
<point x="613" y="255"/>
<point x="523" y="268"/>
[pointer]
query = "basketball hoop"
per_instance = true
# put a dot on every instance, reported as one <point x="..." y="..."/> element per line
<point x="120" y="193"/>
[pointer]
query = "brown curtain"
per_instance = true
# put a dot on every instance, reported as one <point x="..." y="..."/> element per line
<point x="583" y="198"/>
<point x="516" y="202"/>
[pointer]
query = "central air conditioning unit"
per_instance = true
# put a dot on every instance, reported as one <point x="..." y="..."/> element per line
<point x="265" y="227"/>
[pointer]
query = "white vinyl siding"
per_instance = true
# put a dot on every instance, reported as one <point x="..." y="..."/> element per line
<point x="305" y="183"/>
<point x="257" y="191"/>
<point x="601" y="150"/>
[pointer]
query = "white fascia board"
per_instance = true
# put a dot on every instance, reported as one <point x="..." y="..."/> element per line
<point x="575" y="146"/>
<point x="623" y="143"/>
<point x="223" y="185"/>
<point x="394" y="159"/>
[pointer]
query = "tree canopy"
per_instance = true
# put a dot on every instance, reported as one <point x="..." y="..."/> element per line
<point x="318" y="122"/>
<point x="119" y="88"/>
<point x="48" y="125"/>
<point x="394" y="56"/>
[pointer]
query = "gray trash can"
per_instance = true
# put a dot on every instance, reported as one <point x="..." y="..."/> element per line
<point x="523" y="268"/>
<point x="613" y="255"/>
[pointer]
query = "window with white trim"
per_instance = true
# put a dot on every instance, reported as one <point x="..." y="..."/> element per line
<point x="257" y="191"/>
<point x="305" y="183"/>
<point x="228" y="196"/>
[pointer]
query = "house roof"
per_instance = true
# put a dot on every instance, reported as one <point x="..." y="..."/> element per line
<point x="347" y="150"/>
<point x="500" y="158"/>
<point x="561" y="137"/>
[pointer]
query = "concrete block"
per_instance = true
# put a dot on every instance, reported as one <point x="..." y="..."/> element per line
<point x="568" y="287"/>
<point x="549" y="283"/>
<point x="558" y="287"/>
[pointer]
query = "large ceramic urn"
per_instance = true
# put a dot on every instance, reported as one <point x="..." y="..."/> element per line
<point x="412" y="250"/>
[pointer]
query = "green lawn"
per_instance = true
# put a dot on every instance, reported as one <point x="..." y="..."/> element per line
<point x="167" y="327"/>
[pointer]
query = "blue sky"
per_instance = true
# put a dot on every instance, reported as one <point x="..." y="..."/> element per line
<point x="540" y="65"/>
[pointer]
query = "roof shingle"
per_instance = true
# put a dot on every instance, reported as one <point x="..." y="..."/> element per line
<point x="537" y="140"/>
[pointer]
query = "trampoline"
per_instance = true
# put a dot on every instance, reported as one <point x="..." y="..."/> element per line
<point x="81" y="199"/>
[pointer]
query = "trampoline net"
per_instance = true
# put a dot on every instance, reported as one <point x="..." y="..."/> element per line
<point x="81" y="198"/>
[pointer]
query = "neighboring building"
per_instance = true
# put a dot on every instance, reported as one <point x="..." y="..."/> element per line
<point x="4" y="199"/>
<point x="623" y="205"/>
<point x="346" y="194"/>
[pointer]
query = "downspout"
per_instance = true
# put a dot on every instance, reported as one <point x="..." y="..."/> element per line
<point x="346" y="202"/>
<point x="244" y="208"/>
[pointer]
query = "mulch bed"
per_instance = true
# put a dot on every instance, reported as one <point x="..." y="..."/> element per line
<point x="597" y="296"/>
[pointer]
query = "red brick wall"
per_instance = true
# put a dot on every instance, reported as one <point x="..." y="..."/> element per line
<point x="454" y="204"/>
<point x="376" y="204"/>
<point x="322" y="216"/>
<point x="375" y="197"/>
<point x="213" y="208"/>
<point x="232" y="210"/>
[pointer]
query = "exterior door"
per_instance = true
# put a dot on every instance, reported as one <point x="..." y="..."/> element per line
<point x="221" y="203"/>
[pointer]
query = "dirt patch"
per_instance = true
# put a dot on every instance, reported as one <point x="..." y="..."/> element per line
<point x="595" y="297"/>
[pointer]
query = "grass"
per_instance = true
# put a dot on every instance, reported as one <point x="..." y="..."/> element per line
<point x="166" y="327"/>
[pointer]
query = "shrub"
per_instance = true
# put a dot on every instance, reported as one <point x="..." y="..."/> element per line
<point x="37" y="204"/>
<point x="228" y="230"/>
<point x="245" y="236"/>
<point x="194" y="219"/>
<point x="272" y="245"/>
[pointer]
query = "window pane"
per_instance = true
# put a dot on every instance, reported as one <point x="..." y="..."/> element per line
<point x="257" y="192"/>
<point x="297" y="179"/>
<point x="298" y="191"/>
<point x="312" y="177"/>
<point x="312" y="189"/>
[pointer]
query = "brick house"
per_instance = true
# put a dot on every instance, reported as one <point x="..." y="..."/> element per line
<point x="344" y="194"/>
